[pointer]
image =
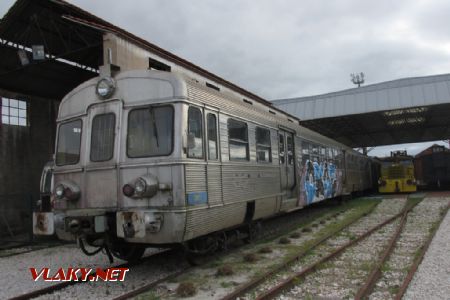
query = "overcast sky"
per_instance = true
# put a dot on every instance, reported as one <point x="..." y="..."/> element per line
<point x="282" y="49"/>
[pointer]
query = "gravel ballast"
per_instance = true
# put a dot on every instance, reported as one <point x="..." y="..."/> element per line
<point x="432" y="279"/>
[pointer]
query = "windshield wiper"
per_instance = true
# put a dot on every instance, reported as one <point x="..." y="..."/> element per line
<point x="155" y="128"/>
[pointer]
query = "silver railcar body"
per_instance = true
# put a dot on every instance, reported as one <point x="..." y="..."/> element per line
<point x="167" y="159"/>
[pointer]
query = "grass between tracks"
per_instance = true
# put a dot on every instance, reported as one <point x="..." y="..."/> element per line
<point x="314" y="226"/>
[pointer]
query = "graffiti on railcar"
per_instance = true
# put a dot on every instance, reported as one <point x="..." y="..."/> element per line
<point x="321" y="173"/>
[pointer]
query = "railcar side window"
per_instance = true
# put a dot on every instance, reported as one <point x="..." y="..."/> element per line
<point x="102" y="137"/>
<point x="212" y="136"/>
<point x="69" y="142"/>
<point x="281" y="148"/>
<point x="290" y="149"/>
<point x="150" y="131"/>
<point x="195" y="130"/>
<point x="263" y="146"/>
<point x="238" y="140"/>
<point x="305" y="152"/>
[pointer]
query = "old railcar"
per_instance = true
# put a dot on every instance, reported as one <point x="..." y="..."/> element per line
<point x="432" y="168"/>
<point x="152" y="158"/>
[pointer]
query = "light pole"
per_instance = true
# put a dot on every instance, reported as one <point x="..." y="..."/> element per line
<point x="357" y="78"/>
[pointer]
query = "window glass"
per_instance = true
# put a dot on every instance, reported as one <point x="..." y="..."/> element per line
<point x="195" y="130"/>
<point x="290" y="149"/>
<point x="315" y="149"/>
<point x="14" y="112"/>
<point x="238" y="140"/>
<point x="150" y="131"/>
<point x="263" y="146"/>
<point x="69" y="141"/>
<point x="281" y="148"/>
<point x="212" y="136"/>
<point x="102" y="137"/>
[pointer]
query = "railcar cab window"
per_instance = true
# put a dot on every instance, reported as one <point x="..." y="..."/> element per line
<point x="212" y="136"/>
<point x="150" y="131"/>
<point x="238" y="140"/>
<point x="102" y="137"/>
<point x="69" y="142"/>
<point x="195" y="133"/>
<point x="263" y="145"/>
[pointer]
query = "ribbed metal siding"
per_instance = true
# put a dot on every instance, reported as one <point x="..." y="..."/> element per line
<point x="195" y="178"/>
<point x="200" y="222"/>
<point x="242" y="183"/>
<point x="214" y="179"/>
<point x="233" y="105"/>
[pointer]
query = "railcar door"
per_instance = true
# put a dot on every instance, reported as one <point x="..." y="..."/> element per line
<point x="102" y="155"/>
<point x="287" y="163"/>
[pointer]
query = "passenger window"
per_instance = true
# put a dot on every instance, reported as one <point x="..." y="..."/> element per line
<point x="290" y="149"/>
<point x="212" y="136"/>
<point x="281" y="148"/>
<point x="263" y="146"/>
<point x="102" y="137"/>
<point x="195" y="131"/>
<point x="305" y="152"/>
<point x="238" y="140"/>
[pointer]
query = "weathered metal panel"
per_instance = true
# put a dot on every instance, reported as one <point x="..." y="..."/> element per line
<point x="245" y="182"/>
<point x="195" y="178"/>
<point x="206" y="220"/>
<point x="214" y="178"/>
<point x="265" y="207"/>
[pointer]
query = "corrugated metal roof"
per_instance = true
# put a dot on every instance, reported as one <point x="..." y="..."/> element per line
<point x="390" y="95"/>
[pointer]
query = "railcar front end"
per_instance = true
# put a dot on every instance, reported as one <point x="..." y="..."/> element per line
<point x="118" y="180"/>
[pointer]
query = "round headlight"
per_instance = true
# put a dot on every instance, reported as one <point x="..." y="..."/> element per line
<point x="140" y="186"/>
<point x="105" y="87"/>
<point x="59" y="191"/>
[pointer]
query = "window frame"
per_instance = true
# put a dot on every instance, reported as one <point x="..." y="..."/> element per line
<point x="269" y="146"/>
<point x="173" y="130"/>
<point x="281" y="142"/>
<point x="79" y="147"/>
<point x="202" y="131"/>
<point x="113" y="139"/>
<point x="237" y="141"/>
<point x="207" y="135"/>
<point x="18" y="108"/>
<point x="290" y="157"/>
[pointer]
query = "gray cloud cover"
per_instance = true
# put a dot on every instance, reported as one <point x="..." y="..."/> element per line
<point x="281" y="49"/>
<point x="288" y="48"/>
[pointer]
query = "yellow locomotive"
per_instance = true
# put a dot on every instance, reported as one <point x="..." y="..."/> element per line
<point x="397" y="174"/>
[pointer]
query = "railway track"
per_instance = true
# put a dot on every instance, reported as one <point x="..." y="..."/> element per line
<point x="283" y="223"/>
<point x="254" y="289"/>
<point x="150" y="286"/>
<point x="62" y="285"/>
<point x="293" y="279"/>
<point x="289" y="285"/>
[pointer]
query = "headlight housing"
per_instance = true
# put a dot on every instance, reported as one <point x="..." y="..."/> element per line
<point x="142" y="187"/>
<point x="59" y="191"/>
<point x="105" y="87"/>
<point x="67" y="190"/>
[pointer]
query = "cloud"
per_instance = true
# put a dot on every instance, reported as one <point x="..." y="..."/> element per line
<point x="289" y="48"/>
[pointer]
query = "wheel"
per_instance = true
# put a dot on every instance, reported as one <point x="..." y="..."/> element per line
<point x="128" y="252"/>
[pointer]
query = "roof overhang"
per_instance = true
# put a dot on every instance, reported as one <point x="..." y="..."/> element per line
<point x="400" y="111"/>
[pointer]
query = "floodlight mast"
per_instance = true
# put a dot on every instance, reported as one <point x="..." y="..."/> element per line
<point x="357" y="78"/>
